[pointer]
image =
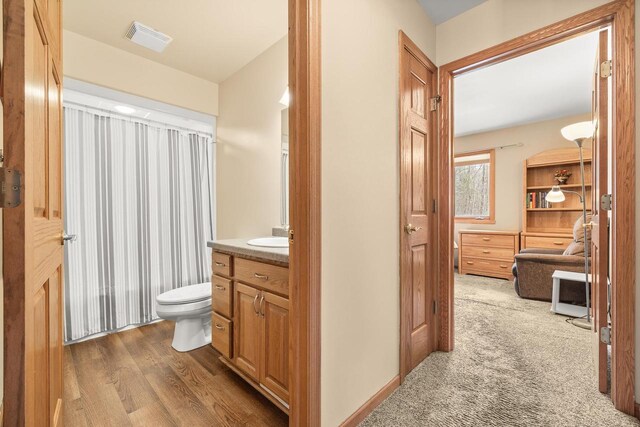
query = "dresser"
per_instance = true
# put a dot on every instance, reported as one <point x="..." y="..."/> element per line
<point x="487" y="252"/>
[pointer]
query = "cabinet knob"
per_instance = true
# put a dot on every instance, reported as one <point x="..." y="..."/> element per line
<point x="219" y="327"/>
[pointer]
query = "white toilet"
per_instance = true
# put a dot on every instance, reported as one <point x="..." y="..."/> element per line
<point x="190" y="307"/>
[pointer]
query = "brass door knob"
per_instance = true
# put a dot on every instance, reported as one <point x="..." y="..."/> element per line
<point x="410" y="228"/>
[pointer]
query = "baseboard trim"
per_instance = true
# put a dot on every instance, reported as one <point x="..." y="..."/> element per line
<point x="371" y="404"/>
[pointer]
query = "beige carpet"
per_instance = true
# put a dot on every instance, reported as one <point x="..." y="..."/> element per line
<point x="515" y="364"/>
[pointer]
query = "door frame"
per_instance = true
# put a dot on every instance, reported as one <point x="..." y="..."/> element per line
<point x="304" y="211"/>
<point x="406" y="303"/>
<point x="620" y="15"/>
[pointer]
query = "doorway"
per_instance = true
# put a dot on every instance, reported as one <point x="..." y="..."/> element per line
<point x="620" y="16"/>
<point x="32" y="344"/>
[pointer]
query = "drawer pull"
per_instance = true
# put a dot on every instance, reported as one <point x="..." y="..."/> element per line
<point x="220" y="288"/>
<point x="486" y="239"/>
<point x="558" y="243"/>
<point x="470" y="262"/>
<point x="221" y="264"/>
<point x="219" y="327"/>
<point x="260" y="276"/>
<point x="486" y="251"/>
<point x="503" y="266"/>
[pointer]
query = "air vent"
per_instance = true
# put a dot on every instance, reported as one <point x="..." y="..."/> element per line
<point x="147" y="37"/>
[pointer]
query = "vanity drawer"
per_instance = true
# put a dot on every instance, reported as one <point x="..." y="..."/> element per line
<point x="547" y="242"/>
<point x="222" y="264"/>
<point x="493" y="240"/>
<point x="488" y="252"/>
<point x="222" y="335"/>
<point x="222" y="296"/>
<point x="485" y="267"/>
<point x="264" y="276"/>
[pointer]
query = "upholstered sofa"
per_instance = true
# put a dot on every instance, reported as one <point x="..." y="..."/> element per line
<point x="533" y="269"/>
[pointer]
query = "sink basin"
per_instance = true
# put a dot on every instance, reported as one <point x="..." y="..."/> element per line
<point x="270" y="242"/>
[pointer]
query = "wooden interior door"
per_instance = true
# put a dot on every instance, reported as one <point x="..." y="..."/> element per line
<point x="417" y="206"/>
<point x="600" y="230"/>
<point x="32" y="247"/>
<point x="274" y="366"/>
<point x="247" y="330"/>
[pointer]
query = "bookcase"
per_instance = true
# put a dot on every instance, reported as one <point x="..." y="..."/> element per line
<point x="550" y="225"/>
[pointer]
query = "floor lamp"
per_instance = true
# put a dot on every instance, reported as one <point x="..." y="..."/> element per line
<point x="578" y="133"/>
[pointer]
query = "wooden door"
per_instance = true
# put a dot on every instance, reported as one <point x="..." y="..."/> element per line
<point x="247" y="323"/>
<point x="274" y="366"/>
<point x="600" y="230"/>
<point x="32" y="247"/>
<point x="417" y="206"/>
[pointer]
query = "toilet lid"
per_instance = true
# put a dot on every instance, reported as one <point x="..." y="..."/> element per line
<point x="185" y="294"/>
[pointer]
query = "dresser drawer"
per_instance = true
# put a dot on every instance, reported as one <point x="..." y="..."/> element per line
<point x="493" y="240"/>
<point x="265" y="276"/>
<point x="486" y="267"/>
<point x="222" y="335"/>
<point x="222" y="296"/>
<point x="487" y="252"/>
<point x="222" y="264"/>
<point x="547" y="242"/>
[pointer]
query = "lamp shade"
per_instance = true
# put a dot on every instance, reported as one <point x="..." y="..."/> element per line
<point x="578" y="131"/>
<point x="555" y="195"/>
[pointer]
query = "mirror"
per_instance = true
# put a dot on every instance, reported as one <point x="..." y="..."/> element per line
<point x="284" y="166"/>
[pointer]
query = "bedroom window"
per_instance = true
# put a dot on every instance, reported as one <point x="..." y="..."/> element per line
<point x="475" y="187"/>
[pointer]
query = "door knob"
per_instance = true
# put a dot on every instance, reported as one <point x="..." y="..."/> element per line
<point x="69" y="238"/>
<point x="410" y="228"/>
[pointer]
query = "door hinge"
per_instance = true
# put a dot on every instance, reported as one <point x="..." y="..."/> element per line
<point x="435" y="306"/>
<point x="433" y="206"/>
<point x="605" y="69"/>
<point x="605" y="335"/>
<point x="434" y="102"/>
<point x="605" y="202"/>
<point x="290" y="236"/>
<point x="11" y="188"/>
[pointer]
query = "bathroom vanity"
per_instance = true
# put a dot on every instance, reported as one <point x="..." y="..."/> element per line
<point x="250" y="319"/>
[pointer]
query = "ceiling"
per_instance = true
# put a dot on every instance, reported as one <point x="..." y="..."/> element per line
<point x="212" y="39"/>
<point x="443" y="10"/>
<point x="550" y="83"/>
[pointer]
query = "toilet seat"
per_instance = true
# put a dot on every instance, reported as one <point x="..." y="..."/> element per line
<point x="171" y="310"/>
<point x="185" y="294"/>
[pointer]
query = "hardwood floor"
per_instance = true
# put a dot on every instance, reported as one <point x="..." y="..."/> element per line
<point x="135" y="378"/>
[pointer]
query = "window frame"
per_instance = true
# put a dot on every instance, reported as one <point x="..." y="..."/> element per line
<point x="491" y="219"/>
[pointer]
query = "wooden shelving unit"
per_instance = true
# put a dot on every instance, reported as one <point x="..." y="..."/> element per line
<point x="551" y="227"/>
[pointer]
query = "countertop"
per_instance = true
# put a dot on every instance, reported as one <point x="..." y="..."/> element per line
<point x="240" y="247"/>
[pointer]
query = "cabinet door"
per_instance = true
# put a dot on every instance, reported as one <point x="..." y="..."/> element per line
<point x="247" y="330"/>
<point x="274" y="368"/>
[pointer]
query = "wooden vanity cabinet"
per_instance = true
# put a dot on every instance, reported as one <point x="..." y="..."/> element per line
<point x="274" y="369"/>
<point x="257" y="312"/>
<point x="247" y="330"/>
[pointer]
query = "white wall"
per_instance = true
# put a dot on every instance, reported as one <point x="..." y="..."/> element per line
<point x="496" y="21"/>
<point x="536" y="137"/>
<point x="360" y="193"/>
<point x="248" y="146"/>
<point x="96" y="62"/>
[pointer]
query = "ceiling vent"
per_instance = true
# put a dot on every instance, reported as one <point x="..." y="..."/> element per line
<point x="147" y="37"/>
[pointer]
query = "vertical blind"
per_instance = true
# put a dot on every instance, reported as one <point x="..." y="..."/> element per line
<point x="139" y="197"/>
